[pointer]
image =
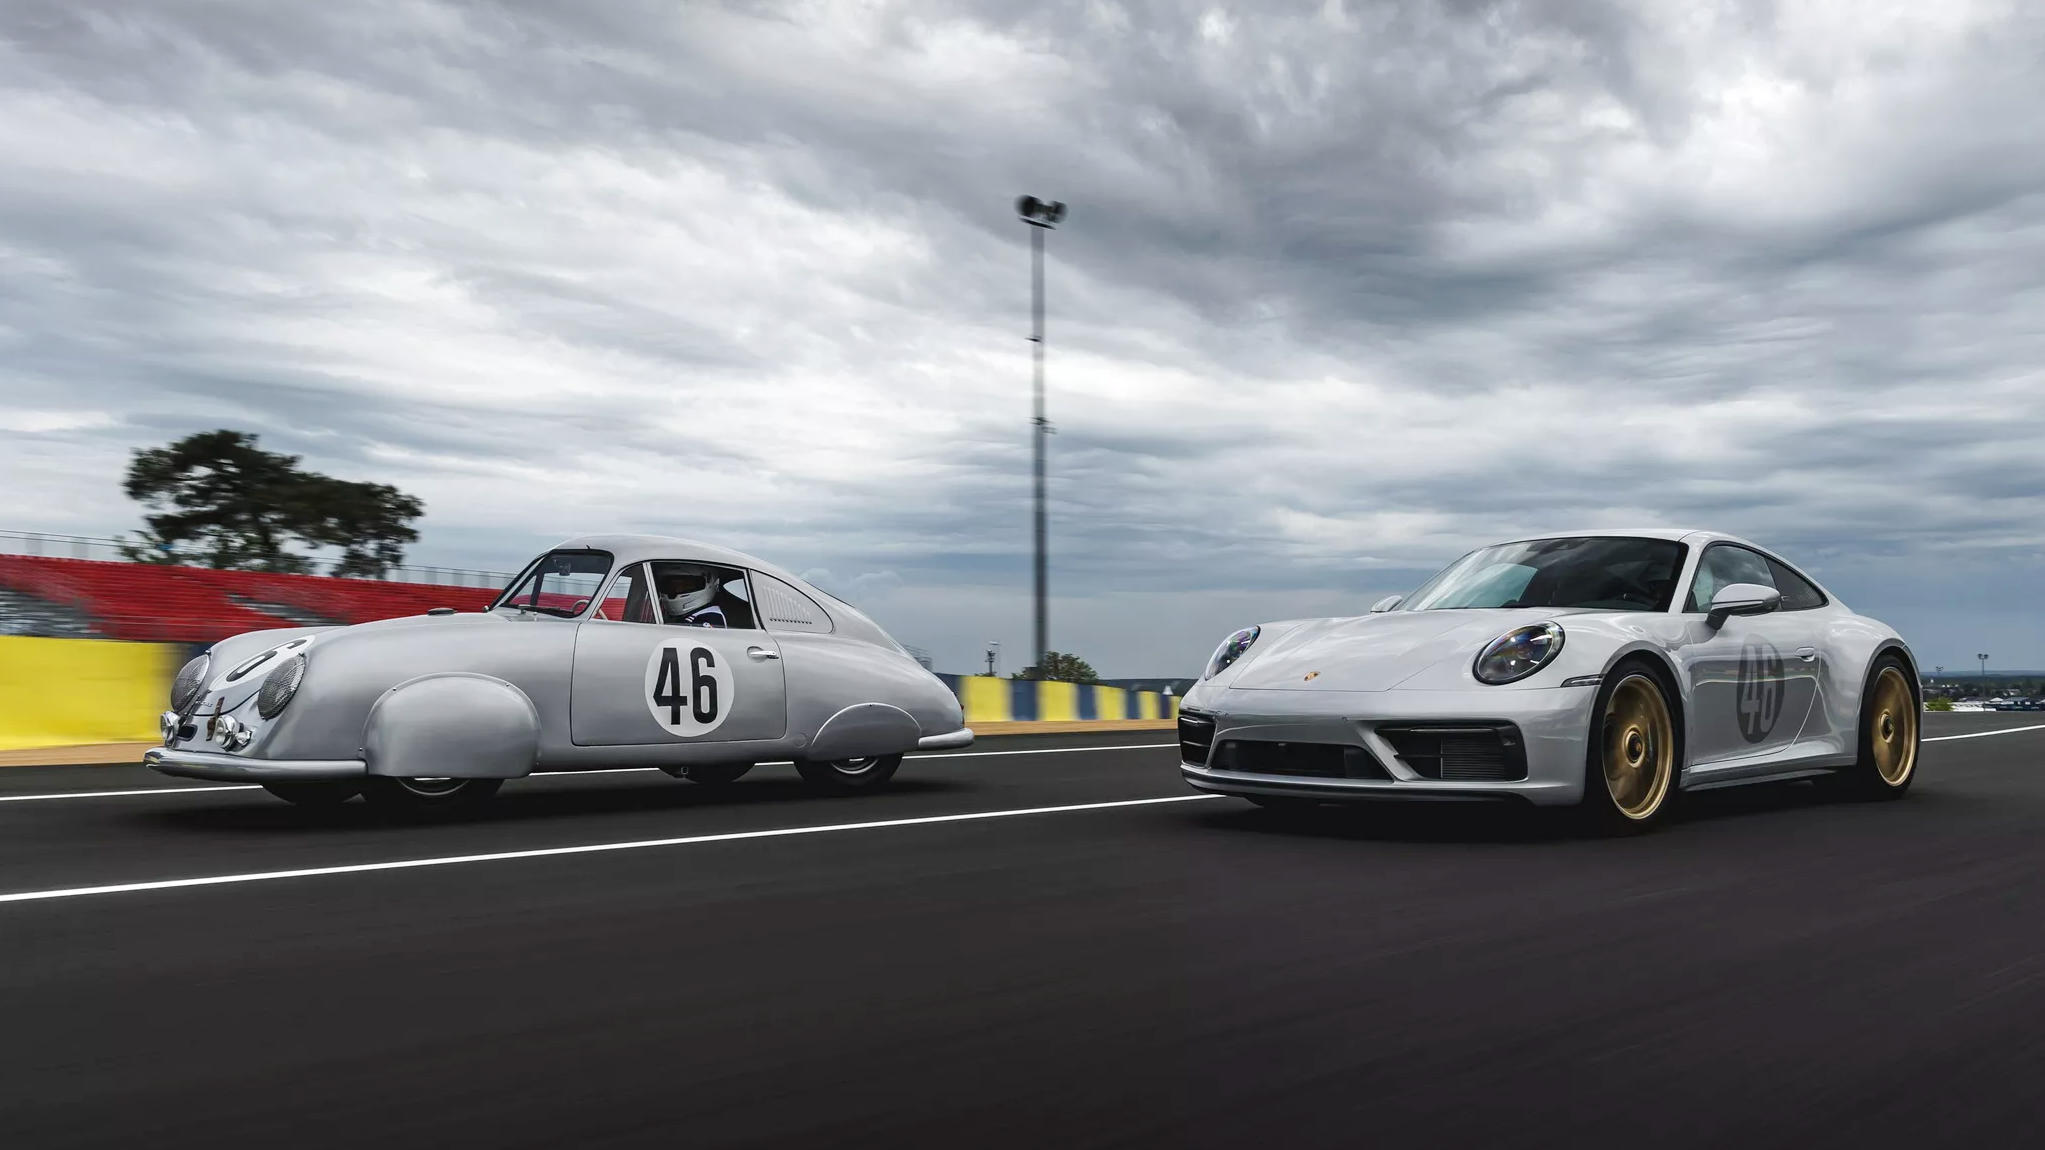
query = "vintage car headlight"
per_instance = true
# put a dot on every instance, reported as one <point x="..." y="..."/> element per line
<point x="1231" y="649"/>
<point x="1518" y="653"/>
<point x="279" y="686"/>
<point x="191" y="679"/>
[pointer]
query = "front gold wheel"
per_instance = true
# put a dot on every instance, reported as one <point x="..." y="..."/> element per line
<point x="1892" y="727"/>
<point x="1639" y="747"/>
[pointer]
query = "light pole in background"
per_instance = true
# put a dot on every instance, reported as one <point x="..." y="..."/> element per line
<point x="993" y="655"/>
<point x="1984" y="672"/>
<point x="1041" y="217"/>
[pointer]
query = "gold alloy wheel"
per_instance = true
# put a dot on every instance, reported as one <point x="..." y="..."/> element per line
<point x="1893" y="727"/>
<point x="1640" y="747"/>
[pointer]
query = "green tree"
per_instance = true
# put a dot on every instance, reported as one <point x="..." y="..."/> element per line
<point x="1061" y="667"/>
<point x="220" y="498"/>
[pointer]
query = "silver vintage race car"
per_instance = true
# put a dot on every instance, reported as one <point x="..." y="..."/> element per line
<point x="606" y="651"/>
<point x="1607" y="670"/>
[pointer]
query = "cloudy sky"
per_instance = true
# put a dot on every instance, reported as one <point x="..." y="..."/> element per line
<point x="1346" y="287"/>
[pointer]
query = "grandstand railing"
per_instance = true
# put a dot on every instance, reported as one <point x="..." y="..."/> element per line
<point x="95" y="547"/>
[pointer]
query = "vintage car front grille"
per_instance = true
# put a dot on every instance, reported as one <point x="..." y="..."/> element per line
<point x="1196" y="737"/>
<point x="1304" y="760"/>
<point x="1464" y="752"/>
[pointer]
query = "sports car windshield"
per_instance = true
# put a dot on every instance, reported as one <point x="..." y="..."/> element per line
<point x="1598" y="572"/>
<point x="558" y="583"/>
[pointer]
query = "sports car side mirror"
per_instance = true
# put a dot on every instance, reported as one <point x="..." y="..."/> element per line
<point x="1742" y="599"/>
<point x="1385" y="604"/>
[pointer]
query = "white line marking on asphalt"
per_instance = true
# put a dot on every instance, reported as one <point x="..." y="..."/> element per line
<point x="573" y="774"/>
<point x="592" y="848"/>
<point x="1983" y="734"/>
<point x="123" y="794"/>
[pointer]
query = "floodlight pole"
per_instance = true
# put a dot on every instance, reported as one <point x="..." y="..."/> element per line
<point x="1041" y="216"/>
<point x="1042" y="428"/>
<point x="1984" y="670"/>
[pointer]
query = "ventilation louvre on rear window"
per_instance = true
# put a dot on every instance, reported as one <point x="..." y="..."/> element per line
<point x="783" y="608"/>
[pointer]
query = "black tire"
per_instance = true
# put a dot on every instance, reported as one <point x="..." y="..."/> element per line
<point x="1891" y="736"/>
<point x="428" y="796"/>
<point x="722" y="775"/>
<point x="316" y="792"/>
<point x="849" y="776"/>
<point x="1633" y="754"/>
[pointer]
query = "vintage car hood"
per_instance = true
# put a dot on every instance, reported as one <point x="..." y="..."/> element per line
<point x="226" y="691"/>
<point x="1376" y="652"/>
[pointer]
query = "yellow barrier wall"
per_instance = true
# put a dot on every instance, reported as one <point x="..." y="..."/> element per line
<point x="59" y="692"/>
<point x="1110" y="702"/>
<point x="985" y="699"/>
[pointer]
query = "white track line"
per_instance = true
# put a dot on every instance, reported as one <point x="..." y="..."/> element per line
<point x="572" y="774"/>
<point x="593" y="848"/>
<point x="1983" y="734"/>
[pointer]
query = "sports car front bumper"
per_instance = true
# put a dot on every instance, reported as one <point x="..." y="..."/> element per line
<point x="1551" y="726"/>
<point x="235" y="769"/>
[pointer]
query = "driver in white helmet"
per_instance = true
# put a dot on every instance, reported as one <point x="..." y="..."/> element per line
<point x="686" y="595"/>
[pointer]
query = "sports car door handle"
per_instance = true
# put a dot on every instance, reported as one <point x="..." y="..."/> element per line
<point x="1807" y="653"/>
<point x="761" y="653"/>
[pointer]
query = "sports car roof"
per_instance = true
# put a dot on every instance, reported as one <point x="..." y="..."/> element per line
<point x="635" y="548"/>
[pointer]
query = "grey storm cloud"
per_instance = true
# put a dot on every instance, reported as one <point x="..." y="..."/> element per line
<point x="1346" y="287"/>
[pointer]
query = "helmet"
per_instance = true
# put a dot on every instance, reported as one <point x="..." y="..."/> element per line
<point x="686" y="589"/>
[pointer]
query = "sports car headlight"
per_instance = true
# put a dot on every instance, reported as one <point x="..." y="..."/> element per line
<point x="1231" y="649"/>
<point x="278" y="688"/>
<point x="191" y="679"/>
<point x="1518" y="653"/>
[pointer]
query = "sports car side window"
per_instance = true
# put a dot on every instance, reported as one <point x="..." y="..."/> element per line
<point x="627" y="600"/>
<point x="1797" y="592"/>
<point x="1722" y="564"/>
<point x="702" y="595"/>
<point x="783" y="608"/>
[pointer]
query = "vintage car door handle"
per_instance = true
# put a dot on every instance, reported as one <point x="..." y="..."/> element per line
<point x="1807" y="653"/>
<point x="762" y="653"/>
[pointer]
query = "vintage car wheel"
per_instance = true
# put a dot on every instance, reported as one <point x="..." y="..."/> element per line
<point x="1889" y="737"/>
<point x="428" y="794"/>
<point x="1634" y="754"/>
<point x="317" y="792"/>
<point x="717" y="776"/>
<point x="849" y="776"/>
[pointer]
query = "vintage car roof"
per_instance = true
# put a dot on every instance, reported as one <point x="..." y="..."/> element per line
<point x="634" y="548"/>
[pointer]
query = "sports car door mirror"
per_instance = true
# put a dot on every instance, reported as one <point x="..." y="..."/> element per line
<point x="1385" y="604"/>
<point x="1742" y="599"/>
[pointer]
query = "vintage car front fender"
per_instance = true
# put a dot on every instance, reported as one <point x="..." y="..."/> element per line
<point x="454" y="725"/>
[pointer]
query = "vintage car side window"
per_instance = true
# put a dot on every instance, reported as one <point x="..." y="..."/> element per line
<point x="1797" y="592"/>
<point x="559" y="583"/>
<point x="1723" y="564"/>
<point x="628" y="600"/>
<point x="692" y="594"/>
<point x="783" y="608"/>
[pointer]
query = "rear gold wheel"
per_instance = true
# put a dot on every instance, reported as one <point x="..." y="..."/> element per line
<point x="1889" y="735"/>
<point x="1893" y="727"/>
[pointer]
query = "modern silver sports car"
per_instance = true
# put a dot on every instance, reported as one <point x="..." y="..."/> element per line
<point x="1609" y="670"/>
<point x="606" y="651"/>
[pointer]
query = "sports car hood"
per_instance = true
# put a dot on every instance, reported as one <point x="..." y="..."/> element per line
<point x="1377" y="652"/>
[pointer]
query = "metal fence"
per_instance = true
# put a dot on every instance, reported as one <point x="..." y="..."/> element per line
<point x="94" y="547"/>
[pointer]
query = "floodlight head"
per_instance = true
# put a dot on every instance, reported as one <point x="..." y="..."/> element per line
<point x="1038" y="211"/>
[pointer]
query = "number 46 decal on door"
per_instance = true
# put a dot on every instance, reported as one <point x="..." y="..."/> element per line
<point x="688" y="689"/>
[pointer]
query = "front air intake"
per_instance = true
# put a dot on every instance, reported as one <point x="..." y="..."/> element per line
<point x="1196" y="737"/>
<point x="1466" y="752"/>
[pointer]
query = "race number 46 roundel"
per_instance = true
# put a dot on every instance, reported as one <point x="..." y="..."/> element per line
<point x="688" y="688"/>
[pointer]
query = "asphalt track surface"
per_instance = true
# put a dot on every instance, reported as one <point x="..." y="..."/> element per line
<point x="1773" y="970"/>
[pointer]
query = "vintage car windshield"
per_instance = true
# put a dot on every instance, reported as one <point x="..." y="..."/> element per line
<point x="559" y="583"/>
<point x="1600" y="572"/>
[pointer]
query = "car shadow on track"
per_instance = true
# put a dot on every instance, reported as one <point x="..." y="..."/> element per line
<point x="553" y="802"/>
<point x="1418" y="822"/>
